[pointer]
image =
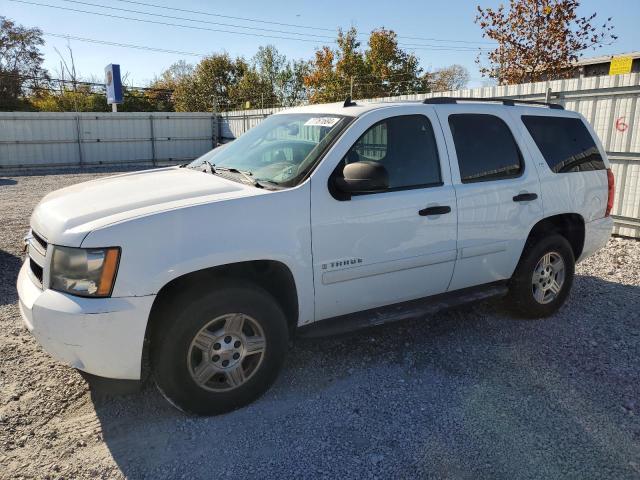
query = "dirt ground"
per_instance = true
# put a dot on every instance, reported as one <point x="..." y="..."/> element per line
<point x="470" y="393"/>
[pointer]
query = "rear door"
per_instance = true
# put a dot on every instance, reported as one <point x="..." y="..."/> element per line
<point x="497" y="190"/>
<point x="383" y="248"/>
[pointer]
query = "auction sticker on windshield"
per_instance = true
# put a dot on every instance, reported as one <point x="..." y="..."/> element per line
<point x="321" y="122"/>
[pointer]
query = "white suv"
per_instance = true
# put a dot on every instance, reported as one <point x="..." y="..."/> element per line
<point x="321" y="219"/>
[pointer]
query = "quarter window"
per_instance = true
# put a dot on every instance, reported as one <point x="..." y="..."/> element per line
<point x="485" y="148"/>
<point x="405" y="146"/>
<point x="565" y="143"/>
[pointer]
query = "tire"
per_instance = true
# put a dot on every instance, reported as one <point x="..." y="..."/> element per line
<point x="538" y="288"/>
<point x="199" y="383"/>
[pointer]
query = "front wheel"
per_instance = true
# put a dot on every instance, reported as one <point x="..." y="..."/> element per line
<point x="543" y="278"/>
<point x="220" y="350"/>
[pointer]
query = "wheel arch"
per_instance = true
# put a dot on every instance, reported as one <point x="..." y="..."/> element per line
<point x="273" y="276"/>
<point x="569" y="225"/>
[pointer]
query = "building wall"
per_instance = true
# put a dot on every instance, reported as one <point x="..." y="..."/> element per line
<point x="599" y="69"/>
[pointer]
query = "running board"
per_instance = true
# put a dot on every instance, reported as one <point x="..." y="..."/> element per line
<point x="402" y="311"/>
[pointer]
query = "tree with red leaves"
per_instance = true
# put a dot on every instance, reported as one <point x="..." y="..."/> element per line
<point x="538" y="39"/>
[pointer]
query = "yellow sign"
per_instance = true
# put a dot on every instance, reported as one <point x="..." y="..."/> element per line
<point x="620" y="65"/>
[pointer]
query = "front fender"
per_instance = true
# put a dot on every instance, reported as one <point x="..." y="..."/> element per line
<point x="163" y="246"/>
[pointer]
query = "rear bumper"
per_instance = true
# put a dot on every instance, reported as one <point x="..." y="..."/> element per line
<point x="596" y="236"/>
<point x="101" y="336"/>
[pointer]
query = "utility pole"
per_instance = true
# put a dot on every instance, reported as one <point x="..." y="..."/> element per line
<point x="351" y="87"/>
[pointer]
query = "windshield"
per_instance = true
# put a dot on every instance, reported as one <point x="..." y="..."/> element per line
<point x="281" y="149"/>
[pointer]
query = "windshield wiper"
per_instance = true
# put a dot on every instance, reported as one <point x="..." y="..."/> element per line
<point x="246" y="175"/>
<point x="208" y="166"/>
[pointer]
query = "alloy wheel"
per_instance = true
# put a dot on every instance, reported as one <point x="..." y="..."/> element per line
<point x="548" y="278"/>
<point x="226" y="352"/>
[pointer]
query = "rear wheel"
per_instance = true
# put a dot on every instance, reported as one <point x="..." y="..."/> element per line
<point x="543" y="278"/>
<point x="221" y="350"/>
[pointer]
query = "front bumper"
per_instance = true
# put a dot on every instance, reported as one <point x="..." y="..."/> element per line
<point x="596" y="236"/>
<point x="101" y="336"/>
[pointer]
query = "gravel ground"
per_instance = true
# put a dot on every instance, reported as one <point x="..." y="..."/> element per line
<point x="470" y="393"/>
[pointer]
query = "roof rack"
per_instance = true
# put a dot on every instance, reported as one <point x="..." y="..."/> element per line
<point x="505" y="101"/>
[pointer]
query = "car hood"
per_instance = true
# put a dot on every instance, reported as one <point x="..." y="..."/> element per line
<point x="66" y="216"/>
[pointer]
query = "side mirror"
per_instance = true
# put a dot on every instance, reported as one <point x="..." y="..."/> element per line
<point x="362" y="177"/>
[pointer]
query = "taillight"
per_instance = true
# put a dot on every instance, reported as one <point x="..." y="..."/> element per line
<point x="612" y="192"/>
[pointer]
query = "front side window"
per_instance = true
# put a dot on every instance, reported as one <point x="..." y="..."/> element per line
<point x="281" y="150"/>
<point x="565" y="143"/>
<point x="405" y="146"/>
<point x="485" y="148"/>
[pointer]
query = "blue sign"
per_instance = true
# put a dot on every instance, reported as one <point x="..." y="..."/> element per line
<point x="113" y="83"/>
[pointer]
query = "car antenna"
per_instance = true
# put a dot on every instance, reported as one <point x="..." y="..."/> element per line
<point x="348" y="102"/>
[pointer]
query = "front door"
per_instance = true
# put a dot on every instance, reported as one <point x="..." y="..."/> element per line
<point x="382" y="248"/>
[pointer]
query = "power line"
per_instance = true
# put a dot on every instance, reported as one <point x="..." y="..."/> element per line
<point x="173" y="17"/>
<point x="123" y="45"/>
<point x="194" y="27"/>
<point x="199" y="12"/>
<point x="195" y="54"/>
<point x="163" y="50"/>
<point x="247" y="19"/>
<point x="78" y="82"/>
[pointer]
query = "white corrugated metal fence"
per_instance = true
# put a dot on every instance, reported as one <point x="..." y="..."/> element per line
<point x="35" y="140"/>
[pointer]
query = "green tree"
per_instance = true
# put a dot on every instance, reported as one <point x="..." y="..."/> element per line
<point x="83" y="98"/>
<point x="213" y="84"/>
<point x="393" y="71"/>
<point x="252" y="88"/>
<point x="166" y="83"/>
<point x="136" y="100"/>
<point x="293" y="91"/>
<point x="269" y="65"/>
<point x="322" y="81"/>
<point x="330" y="75"/>
<point x="274" y="80"/>
<point x="453" y="77"/>
<point x="21" y="71"/>
<point x="383" y="69"/>
<point x="351" y="65"/>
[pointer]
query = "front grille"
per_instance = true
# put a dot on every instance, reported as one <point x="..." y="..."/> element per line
<point x="36" y="270"/>
<point x="40" y="240"/>
<point x="37" y="255"/>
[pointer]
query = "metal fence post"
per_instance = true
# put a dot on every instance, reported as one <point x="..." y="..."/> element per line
<point x="153" y="141"/>
<point x="79" y="138"/>
<point x="214" y="124"/>
<point x="214" y="130"/>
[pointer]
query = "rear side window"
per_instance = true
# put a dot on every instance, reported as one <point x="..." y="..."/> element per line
<point x="485" y="148"/>
<point x="565" y="143"/>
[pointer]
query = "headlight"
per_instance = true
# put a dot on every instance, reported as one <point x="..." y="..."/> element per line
<point x="88" y="272"/>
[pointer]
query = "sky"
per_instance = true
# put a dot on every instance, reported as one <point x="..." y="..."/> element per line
<point x="443" y="31"/>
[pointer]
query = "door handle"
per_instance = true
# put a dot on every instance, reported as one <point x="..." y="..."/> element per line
<point x="525" y="197"/>
<point x="439" y="210"/>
